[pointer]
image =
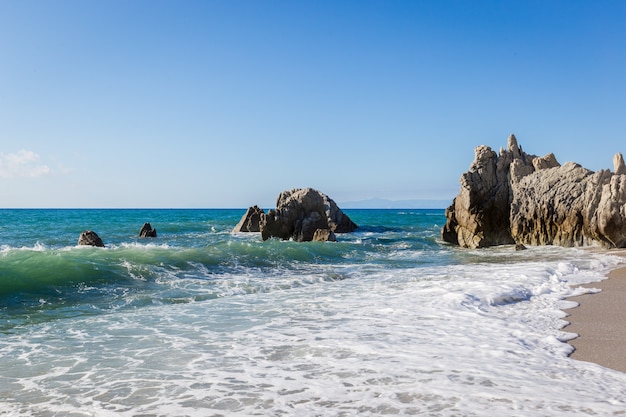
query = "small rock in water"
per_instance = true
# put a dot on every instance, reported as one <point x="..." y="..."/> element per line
<point x="90" y="238"/>
<point x="147" y="231"/>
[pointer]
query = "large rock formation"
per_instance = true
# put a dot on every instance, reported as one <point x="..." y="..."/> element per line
<point x="250" y="221"/>
<point x="300" y="212"/>
<point x="519" y="198"/>
<point x="90" y="238"/>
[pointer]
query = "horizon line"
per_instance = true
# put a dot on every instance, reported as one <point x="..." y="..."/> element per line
<point x="205" y="208"/>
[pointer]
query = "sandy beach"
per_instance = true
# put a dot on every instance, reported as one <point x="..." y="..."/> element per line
<point x="600" y="322"/>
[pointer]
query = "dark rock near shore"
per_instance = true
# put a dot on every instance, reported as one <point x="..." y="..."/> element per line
<point x="300" y="212"/>
<point x="147" y="231"/>
<point x="515" y="197"/>
<point x="90" y="238"/>
<point x="250" y="221"/>
<point x="324" y="235"/>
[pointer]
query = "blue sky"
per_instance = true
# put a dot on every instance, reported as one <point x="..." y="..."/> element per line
<point x="228" y="103"/>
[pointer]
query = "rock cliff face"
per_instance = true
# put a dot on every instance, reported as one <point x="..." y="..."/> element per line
<point x="515" y="197"/>
<point x="300" y="213"/>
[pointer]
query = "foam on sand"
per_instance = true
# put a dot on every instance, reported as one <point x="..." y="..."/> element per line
<point x="600" y="322"/>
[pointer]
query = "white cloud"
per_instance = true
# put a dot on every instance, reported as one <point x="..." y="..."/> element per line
<point x="22" y="164"/>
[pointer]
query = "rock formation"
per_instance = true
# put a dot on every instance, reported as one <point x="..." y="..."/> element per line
<point x="618" y="164"/>
<point x="250" y="221"/>
<point x="90" y="238"/>
<point x="147" y="231"/>
<point x="300" y="212"/>
<point x="324" y="235"/>
<point x="519" y="198"/>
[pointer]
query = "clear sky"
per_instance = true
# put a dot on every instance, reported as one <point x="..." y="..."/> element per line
<point x="227" y="103"/>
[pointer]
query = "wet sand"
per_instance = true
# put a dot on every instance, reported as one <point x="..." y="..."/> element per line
<point x="600" y="322"/>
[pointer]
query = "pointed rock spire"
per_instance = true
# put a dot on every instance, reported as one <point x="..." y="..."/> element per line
<point x="512" y="146"/>
<point x="618" y="164"/>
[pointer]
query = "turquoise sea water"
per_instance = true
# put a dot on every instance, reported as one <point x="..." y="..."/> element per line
<point x="200" y="321"/>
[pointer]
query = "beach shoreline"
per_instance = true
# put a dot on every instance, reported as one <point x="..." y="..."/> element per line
<point x="599" y="320"/>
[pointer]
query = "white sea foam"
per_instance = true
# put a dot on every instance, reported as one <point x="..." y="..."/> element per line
<point x="468" y="339"/>
<point x="37" y="247"/>
<point x="143" y="246"/>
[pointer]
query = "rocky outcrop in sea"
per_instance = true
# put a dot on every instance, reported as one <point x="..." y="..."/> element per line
<point x="147" y="231"/>
<point x="251" y="220"/>
<point x="90" y="238"/>
<point x="301" y="214"/>
<point x="518" y="198"/>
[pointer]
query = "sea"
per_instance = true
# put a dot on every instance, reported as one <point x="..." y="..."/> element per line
<point x="200" y="321"/>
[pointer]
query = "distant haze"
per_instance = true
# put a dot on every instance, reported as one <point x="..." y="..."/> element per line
<point x="379" y="203"/>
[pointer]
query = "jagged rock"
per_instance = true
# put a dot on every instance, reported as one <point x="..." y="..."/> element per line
<point x="250" y="221"/>
<point x="517" y="197"/>
<point x="547" y="206"/>
<point x="324" y="235"/>
<point x="545" y="162"/>
<point x="513" y="147"/>
<point x="519" y="169"/>
<point x="478" y="216"/>
<point x="300" y="212"/>
<point x="519" y="246"/>
<point x="608" y="223"/>
<point x="618" y="164"/>
<point x="90" y="238"/>
<point x="147" y="231"/>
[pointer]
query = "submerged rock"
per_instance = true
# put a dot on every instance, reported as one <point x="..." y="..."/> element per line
<point x="90" y="238"/>
<point x="519" y="246"/>
<point x="147" y="231"/>
<point x="250" y="221"/>
<point x="515" y="197"/>
<point x="300" y="212"/>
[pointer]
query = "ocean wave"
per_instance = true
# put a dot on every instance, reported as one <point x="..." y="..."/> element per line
<point x="204" y="322"/>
